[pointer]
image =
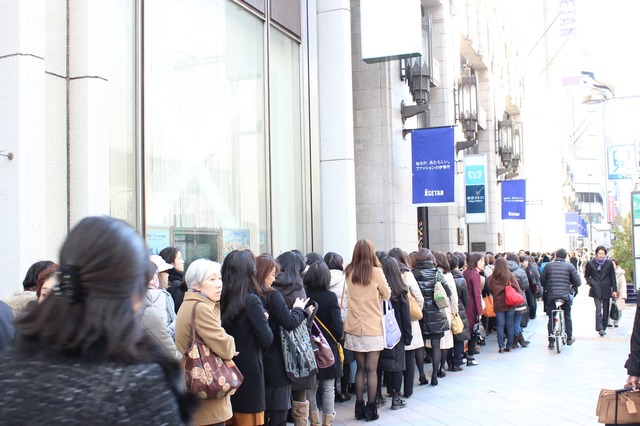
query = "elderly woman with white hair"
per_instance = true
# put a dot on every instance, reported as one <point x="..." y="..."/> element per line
<point x="205" y="287"/>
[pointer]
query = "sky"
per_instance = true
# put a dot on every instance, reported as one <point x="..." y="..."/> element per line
<point x="609" y="39"/>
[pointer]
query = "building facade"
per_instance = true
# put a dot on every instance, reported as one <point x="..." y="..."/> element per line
<point x="213" y="125"/>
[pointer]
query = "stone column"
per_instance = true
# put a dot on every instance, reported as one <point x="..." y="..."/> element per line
<point x="336" y="127"/>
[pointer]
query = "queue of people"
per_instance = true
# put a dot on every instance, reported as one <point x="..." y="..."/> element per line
<point x="110" y="312"/>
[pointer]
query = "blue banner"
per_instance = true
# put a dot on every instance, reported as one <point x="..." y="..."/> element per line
<point x="433" y="166"/>
<point x="572" y="223"/>
<point x="514" y="199"/>
<point x="583" y="228"/>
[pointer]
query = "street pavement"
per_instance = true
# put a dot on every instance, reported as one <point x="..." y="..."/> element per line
<point x="527" y="386"/>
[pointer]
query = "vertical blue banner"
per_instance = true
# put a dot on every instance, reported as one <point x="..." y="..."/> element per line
<point x="433" y="166"/>
<point x="572" y="223"/>
<point x="514" y="199"/>
<point x="583" y="228"/>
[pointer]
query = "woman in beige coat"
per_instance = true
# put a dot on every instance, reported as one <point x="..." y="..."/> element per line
<point x="205" y="286"/>
<point x="366" y="287"/>
<point x="621" y="300"/>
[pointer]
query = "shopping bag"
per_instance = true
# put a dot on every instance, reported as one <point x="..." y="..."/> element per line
<point x="390" y="328"/>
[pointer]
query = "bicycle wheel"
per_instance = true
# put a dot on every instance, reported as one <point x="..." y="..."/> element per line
<point x="559" y="342"/>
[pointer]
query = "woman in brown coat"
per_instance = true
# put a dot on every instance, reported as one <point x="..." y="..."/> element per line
<point x="205" y="286"/>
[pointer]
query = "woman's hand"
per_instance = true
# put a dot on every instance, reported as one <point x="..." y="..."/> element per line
<point x="300" y="303"/>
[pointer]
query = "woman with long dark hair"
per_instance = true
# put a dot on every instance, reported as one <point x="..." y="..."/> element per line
<point x="498" y="281"/>
<point x="471" y="274"/>
<point x="277" y="385"/>
<point x="455" y="356"/>
<point x="244" y="318"/>
<point x="366" y="285"/>
<point x="85" y="340"/>
<point x="393" y="361"/>
<point x="316" y="282"/>
<point x="289" y="283"/>
<point x="414" y="351"/>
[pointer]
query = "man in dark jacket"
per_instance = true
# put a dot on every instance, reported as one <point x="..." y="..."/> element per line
<point x="560" y="279"/>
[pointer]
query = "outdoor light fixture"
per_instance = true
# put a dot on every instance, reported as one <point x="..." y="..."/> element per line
<point x="508" y="147"/>
<point x="468" y="108"/>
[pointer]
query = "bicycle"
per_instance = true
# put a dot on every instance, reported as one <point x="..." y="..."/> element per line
<point x="559" y="331"/>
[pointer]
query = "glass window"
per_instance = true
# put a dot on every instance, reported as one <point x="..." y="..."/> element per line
<point x="204" y="132"/>
<point x="123" y="176"/>
<point x="286" y="144"/>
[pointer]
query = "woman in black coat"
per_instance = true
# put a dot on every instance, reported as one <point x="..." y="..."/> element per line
<point x="434" y="320"/>
<point x="600" y="274"/>
<point x="289" y="283"/>
<point x="455" y="358"/>
<point x="175" y="280"/>
<point x="393" y="361"/>
<point x="277" y="385"/>
<point x="316" y="281"/>
<point x="244" y="317"/>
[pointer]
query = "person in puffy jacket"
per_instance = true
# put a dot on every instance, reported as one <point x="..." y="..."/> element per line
<point x="434" y="319"/>
<point x="560" y="280"/>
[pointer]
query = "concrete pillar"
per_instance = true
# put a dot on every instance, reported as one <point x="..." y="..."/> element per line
<point x="88" y="109"/>
<point x="336" y="127"/>
<point x="22" y="132"/>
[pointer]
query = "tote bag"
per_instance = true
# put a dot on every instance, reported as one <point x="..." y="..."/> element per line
<point x="297" y="351"/>
<point x="206" y="374"/>
<point x="415" y="312"/>
<point x="390" y="329"/>
<point x="457" y="326"/>
<point x="440" y="296"/>
<point x="512" y="297"/>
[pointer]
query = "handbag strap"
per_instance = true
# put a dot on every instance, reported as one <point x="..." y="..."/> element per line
<point x="193" y="324"/>
<point x="342" y="297"/>
<point x="325" y="327"/>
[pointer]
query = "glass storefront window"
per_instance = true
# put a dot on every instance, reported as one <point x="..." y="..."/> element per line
<point x="123" y="171"/>
<point x="286" y="143"/>
<point x="204" y="141"/>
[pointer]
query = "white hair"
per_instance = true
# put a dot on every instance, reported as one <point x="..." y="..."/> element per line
<point x="199" y="270"/>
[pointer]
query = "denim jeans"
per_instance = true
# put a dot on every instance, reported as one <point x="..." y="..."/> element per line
<point x="516" y="324"/>
<point x="327" y="388"/>
<point x="505" y="319"/>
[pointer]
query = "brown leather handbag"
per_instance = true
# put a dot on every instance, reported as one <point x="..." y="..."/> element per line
<point x="618" y="407"/>
<point x="207" y="375"/>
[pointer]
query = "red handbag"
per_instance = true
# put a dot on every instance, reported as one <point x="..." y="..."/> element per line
<point x="512" y="297"/>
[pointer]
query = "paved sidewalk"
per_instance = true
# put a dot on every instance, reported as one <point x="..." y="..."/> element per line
<point x="527" y="386"/>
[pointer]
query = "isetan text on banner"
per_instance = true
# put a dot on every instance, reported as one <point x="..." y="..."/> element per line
<point x="433" y="166"/>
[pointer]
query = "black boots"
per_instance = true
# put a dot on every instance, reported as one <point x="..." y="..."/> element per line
<point x="371" y="412"/>
<point x="360" y="410"/>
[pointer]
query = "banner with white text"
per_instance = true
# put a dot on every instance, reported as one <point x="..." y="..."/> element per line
<point x="514" y="199"/>
<point x="433" y="166"/>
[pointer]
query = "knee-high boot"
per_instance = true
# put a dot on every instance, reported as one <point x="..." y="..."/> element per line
<point x="300" y="412"/>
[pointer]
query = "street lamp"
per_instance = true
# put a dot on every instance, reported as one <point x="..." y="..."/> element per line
<point x="590" y="218"/>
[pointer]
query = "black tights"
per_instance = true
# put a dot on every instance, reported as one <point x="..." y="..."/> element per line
<point x="367" y="366"/>
<point x="436" y="357"/>
<point x="419" y="355"/>
<point x="275" y="417"/>
<point x="443" y="359"/>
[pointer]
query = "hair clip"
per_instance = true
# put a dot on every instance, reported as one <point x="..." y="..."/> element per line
<point x="68" y="285"/>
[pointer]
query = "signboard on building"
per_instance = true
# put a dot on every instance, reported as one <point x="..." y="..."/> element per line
<point x="475" y="181"/>
<point x="621" y="161"/>
<point x="390" y="30"/>
<point x="572" y="223"/>
<point x="514" y="199"/>
<point x="433" y="166"/>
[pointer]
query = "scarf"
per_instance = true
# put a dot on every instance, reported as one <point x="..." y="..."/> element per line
<point x="600" y="262"/>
